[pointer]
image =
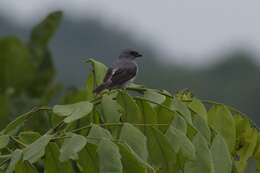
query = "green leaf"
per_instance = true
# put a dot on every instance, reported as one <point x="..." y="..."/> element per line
<point x="29" y="137"/>
<point x="5" y="109"/>
<point x="15" y="55"/>
<point x="198" y="108"/>
<point x="134" y="86"/>
<point x="99" y="71"/>
<point x="179" y="123"/>
<point x="201" y="125"/>
<point x="203" y="161"/>
<point x="109" y="157"/>
<point x="181" y="108"/>
<point x="36" y="150"/>
<point x="93" y="117"/>
<point x="43" y="32"/>
<point x="73" y="96"/>
<point x="135" y="139"/>
<point x="88" y="159"/>
<point x="221" y="156"/>
<point x="97" y="133"/>
<point x="154" y="96"/>
<point x="161" y="155"/>
<point x="90" y="86"/>
<point x="131" y="111"/>
<point x="191" y="131"/>
<point x="234" y="169"/>
<point x="131" y="162"/>
<point x="71" y="146"/>
<point x="247" y="143"/>
<point x="25" y="167"/>
<point x="242" y="123"/>
<point x="15" y="158"/>
<point x="4" y="140"/>
<point x="148" y="114"/>
<point x="110" y="109"/>
<point x="221" y="120"/>
<point x="13" y="127"/>
<point x="52" y="163"/>
<point x="180" y="143"/>
<point x="74" y="111"/>
<point x="43" y="81"/>
<point x="165" y="116"/>
<point x="257" y="154"/>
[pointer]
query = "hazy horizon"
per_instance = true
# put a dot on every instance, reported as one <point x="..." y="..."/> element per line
<point x="178" y="29"/>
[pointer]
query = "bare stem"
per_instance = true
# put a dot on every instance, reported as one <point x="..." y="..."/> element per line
<point x="18" y="141"/>
<point x="117" y="124"/>
<point x="142" y="90"/>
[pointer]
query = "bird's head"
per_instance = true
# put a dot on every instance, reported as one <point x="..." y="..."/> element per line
<point x="130" y="54"/>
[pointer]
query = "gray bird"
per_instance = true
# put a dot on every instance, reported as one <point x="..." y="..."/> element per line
<point x="122" y="71"/>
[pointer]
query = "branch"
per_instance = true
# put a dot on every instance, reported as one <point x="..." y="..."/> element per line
<point x="142" y="90"/>
<point x="18" y="141"/>
<point x="117" y="124"/>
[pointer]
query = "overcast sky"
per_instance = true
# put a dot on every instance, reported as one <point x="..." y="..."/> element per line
<point x="197" y="28"/>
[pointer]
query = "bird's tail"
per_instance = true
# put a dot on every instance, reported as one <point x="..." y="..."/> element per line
<point x="100" y="88"/>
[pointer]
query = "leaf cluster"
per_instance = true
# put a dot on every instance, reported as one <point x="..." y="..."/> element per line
<point x="136" y="129"/>
<point x="27" y="72"/>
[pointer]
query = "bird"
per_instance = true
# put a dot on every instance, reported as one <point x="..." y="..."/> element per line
<point x="122" y="72"/>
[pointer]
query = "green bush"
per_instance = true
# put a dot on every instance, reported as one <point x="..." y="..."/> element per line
<point x="27" y="73"/>
<point x="132" y="130"/>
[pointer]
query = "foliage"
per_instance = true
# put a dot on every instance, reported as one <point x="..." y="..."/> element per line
<point x="136" y="129"/>
<point x="27" y="72"/>
<point x="120" y="132"/>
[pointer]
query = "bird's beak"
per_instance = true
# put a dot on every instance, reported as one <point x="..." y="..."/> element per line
<point x="139" y="55"/>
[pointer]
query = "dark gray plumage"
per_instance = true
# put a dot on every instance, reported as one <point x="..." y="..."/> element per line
<point x="122" y="71"/>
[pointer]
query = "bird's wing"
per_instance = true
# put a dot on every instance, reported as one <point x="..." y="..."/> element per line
<point x="122" y="75"/>
<point x="108" y="74"/>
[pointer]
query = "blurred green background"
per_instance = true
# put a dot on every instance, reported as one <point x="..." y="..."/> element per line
<point x="232" y="78"/>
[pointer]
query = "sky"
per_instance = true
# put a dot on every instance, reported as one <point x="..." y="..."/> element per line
<point x="179" y="28"/>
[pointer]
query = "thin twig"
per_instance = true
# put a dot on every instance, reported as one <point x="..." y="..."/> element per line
<point x="28" y="115"/>
<point x="114" y="140"/>
<point x="81" y="128"/>
<point x="60" y="137"/>
<point x="5" y="156"/>
<point x="18" y="141"/>
<point x="59" y="125"/>
<point x="4" y="162"/>
<point x="35" y="110"/>
<point x="87" y="137"/>
<point x="142" y="90"/>
<point x="8" y="149"/>
<point x="117" y="124"/>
